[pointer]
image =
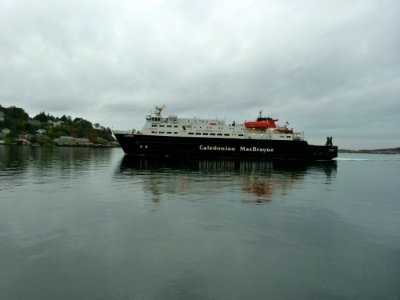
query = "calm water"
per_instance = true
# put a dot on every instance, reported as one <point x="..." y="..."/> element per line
<point x="91" y="224"/>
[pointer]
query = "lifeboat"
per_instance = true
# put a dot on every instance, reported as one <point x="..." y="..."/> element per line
<point x="284" y="130"/>
<point x="261" y="123"/>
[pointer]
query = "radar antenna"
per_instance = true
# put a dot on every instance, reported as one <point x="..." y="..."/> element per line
<point x="158" y="110"/>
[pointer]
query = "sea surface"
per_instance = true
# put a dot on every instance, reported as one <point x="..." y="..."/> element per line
<point x="84" y="223"/>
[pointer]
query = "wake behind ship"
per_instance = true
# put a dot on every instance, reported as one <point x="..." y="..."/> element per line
<point x="170" y="136"/>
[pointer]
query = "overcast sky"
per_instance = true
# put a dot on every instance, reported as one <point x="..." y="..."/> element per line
<point x="329" y="68"/>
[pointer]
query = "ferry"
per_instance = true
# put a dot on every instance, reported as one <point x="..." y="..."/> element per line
<point x="262" y="139"/>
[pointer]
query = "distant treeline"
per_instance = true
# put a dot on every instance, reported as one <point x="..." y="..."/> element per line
<point x="43" y="128"/>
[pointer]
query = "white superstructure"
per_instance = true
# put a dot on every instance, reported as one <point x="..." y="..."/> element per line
<point x="158" y="125"/>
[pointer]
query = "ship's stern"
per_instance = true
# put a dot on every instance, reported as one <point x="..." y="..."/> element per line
<point x="323" y="152"/>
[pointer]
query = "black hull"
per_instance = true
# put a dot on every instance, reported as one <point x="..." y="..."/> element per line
<point x="192" y="147"/>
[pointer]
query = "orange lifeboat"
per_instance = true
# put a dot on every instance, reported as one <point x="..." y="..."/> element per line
<point x="284" y="130"/>
<point x="261" y="123"/>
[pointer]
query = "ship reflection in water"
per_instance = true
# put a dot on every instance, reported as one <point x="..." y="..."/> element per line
<point x="254" y="182"/>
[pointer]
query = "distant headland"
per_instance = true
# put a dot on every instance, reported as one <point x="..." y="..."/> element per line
<point x="375" y="151"/>
<point x="17" y="127"/>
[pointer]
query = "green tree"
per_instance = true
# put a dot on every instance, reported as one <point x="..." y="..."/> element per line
<point x="16" y="113"/>
<point x="41" y="117"/>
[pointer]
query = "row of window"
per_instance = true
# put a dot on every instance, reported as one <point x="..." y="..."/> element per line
<point x="197" y="133"/>
<point x="162" y="132"/>
<point x="155" y="125"/>
<point x="205" y="133"/>
<point x="214" y="127"/>
<point x="176" y="126"/>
